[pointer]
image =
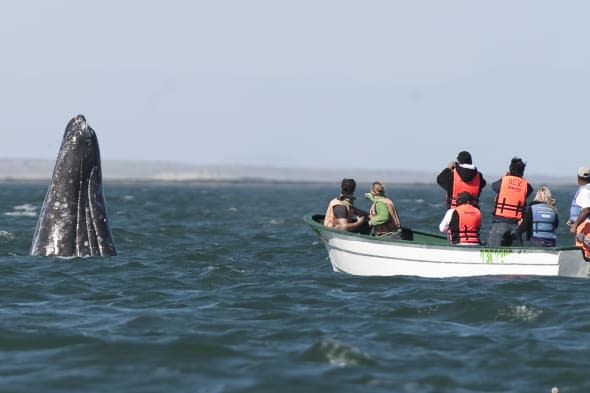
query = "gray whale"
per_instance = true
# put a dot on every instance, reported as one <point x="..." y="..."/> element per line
<point x="73" y="220"/>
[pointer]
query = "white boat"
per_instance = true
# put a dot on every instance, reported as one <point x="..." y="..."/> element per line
<point x="430" y="255"/>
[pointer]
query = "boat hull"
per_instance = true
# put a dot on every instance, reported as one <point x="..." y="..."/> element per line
<point x="369" y="256"/>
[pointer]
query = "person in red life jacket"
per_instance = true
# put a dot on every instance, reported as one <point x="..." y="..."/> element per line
<point x="540" y="221"/>
<point x="581" y="226"/>
<point x="459" y="176"/>
<point x="512" y="191"/>
<point x="383" y="216"/>
<point x="341" y="213"/>
<point x="462" y="222"/>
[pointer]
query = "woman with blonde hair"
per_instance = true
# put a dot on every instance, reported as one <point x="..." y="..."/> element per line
<point x="540" y="220"/>
<point x="383" y="216"/>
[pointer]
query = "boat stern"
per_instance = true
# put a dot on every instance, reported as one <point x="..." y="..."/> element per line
<point x="572" y="264"/>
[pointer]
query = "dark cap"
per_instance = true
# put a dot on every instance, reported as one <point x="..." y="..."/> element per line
<point x="464" y="158"/>
<point x="463" y="197"/>
<point x="348" y="186"/>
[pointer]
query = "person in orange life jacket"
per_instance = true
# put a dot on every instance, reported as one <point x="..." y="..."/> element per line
<point x="341" y="213"/>
<point x="383" y="216"/>
<point x="580" y="227"/>
<point x="462" y="222"/>
<point x="512" y="191"/>
<point x="539" y="221"/>
<point x="459" y="176"/>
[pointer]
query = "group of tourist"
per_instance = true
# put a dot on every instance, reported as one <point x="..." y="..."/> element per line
<point x="514" y="222"/>
<point x="511" y="216"/>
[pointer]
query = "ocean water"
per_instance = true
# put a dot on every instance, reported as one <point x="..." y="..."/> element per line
<point x="221" y="287"/>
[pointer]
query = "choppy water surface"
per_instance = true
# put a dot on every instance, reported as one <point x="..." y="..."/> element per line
<point x="222" y="288"/>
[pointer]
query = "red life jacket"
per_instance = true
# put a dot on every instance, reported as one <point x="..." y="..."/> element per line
<point x="460" y="185"/>
<point x="583" y="238"/>
<point x="469" y="225"/>
<point x="330" y="219"/>
<point x="392" y="224"/>
<point x="511" y="199"/>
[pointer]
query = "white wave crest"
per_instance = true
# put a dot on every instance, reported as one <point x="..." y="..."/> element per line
<point x="6" y="235"/>
<point x="341" y="354"/>
<point x="521" y="313"/>
<point x="26" y="210"/>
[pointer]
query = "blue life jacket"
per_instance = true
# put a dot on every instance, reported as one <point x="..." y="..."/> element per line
<point x="543" y="221"/>
<point x="574" y="208"/>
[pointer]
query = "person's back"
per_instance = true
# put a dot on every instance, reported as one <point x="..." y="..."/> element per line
<point x="337" y="210"/>
<point x="463" y="222"/>
<point x="511" y="198"/>
<point x="461" y="176"/>
<point x="341" y="213"/>
<point x="383" y="215"/>
<point x="540" y="220"/>
<point x="469" y="224"/>
<point x="510" y="203"/>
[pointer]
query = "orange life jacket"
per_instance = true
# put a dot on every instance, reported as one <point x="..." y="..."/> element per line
<point x="330" y="219"/>
<point x="460" y="185"/>
<point x="583" y="237"/>
<point x="469" y="225"/>
<point x="511" y="199"/>
<point x="392" y="224"/>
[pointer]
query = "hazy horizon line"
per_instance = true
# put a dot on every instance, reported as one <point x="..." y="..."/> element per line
<point x="154" y="170"/>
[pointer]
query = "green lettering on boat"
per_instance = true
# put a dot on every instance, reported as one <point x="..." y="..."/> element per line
<point x="494" y="255"/>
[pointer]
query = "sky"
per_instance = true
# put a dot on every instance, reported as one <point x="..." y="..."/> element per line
<point x="302" y="84"/>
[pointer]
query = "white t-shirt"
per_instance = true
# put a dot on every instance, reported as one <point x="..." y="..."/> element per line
<point x="446" y="221"/>
<point x="583" y="198"/>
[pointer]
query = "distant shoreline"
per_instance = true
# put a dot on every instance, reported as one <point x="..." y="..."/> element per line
<point x="153" y="171"/>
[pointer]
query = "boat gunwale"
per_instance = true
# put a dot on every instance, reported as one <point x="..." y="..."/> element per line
<point x="308" y="218"/>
